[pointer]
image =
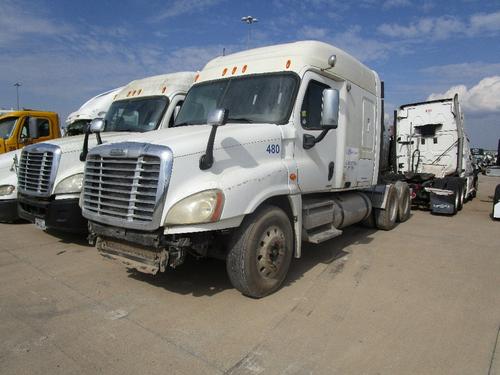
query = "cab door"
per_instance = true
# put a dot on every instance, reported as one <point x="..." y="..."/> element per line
<point x="316" y="166"/>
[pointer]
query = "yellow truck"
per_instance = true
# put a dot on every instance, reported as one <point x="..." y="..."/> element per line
<point x="21" y="128"/>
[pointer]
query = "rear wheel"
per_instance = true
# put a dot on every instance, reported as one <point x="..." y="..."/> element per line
<point x="455" y="185"/>
<point x="386" y="219"/>
<point x="404" y="201"/>
<point x="260" y="252"/>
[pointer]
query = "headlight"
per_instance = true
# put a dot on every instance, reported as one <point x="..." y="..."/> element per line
<point x="7" y="189"/>
<point x="71" y="184"/>
<point x="203" y="207"/>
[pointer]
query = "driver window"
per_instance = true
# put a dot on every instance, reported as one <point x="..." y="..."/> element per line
<point x="310" y="112"/>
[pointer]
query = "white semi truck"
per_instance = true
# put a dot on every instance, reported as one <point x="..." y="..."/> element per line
<point x="95" y="107"/>
<point x="77" y="122"/>
<point x="51" y="173"/>
<point x="273" y="146"/>
<point x="433" y="154"/>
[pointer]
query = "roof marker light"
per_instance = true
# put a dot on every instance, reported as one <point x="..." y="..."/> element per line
<point x="164" y="89"/>
<point x="196" y="77"/>
<point x="288" y="63"/>
<point x="235" y="68"/>
<point x="139" y="92"/>
<point x="244" y="69"/>
<point x="224" y="72"/>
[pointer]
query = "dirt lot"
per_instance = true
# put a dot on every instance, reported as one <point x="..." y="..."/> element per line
<point x="421" y="299"/>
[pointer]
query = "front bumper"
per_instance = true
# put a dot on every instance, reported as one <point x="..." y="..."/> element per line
<point x="8" y="210"/>
<point x="59" y="214"/>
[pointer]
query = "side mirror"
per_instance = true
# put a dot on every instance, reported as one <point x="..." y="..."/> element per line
<point x="217" y="117"/>
<point x="33" y="128"/>
<point x="330" y="112"/>
<point x="96" y="125"/>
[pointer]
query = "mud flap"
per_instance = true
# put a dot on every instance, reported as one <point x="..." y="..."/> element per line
<point x="442" y="204"/>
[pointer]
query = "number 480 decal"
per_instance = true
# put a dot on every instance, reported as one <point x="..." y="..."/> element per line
<point x="273" y="149"/>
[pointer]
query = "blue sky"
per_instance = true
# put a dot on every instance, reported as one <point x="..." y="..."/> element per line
<point x="64" y="52"/>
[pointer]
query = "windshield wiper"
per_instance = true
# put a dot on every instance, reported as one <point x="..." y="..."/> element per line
<point x="240" y="119"/>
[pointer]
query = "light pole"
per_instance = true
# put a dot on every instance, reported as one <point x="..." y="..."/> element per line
<point x="17" y="84"/>
<point x="249" y="20"/>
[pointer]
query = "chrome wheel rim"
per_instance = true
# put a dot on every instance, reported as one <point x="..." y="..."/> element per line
<point x="271" y="252"/>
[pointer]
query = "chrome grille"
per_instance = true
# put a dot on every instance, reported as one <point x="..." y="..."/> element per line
<point x="37" y="169"/>
<point x="124" y="190"/>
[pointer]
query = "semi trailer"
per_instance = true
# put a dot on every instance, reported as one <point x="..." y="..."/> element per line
<point x="50" y="174"/>
<point x="272" y="147"/>
<point x="432" y="154"/>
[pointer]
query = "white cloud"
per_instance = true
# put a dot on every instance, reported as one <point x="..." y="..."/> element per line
<point x="176" y="8"/>
<point x="484" y="22"/>
<point x="462" y="71"/>
<point x="396" y="3"/>
<point x="311" y="32"/>
<point x="443" y="27"/>
<point x="437" y="28"/>
<point x="483" y="97"/>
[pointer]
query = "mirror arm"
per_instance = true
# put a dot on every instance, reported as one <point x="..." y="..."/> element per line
<point x="85" y="150"/>
<point x="207" y="160"/>
<point x="99" y="139"/>
<point x="309" y="141"/>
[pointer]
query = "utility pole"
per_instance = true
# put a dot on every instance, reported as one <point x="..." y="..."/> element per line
<point x="17" y="84"/>
<point x="249" y="20"/>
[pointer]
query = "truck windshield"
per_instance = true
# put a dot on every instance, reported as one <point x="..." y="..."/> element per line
<point x="255" y="98"/>
<point x="6" y="127"/>
<point x="135" y="115"/>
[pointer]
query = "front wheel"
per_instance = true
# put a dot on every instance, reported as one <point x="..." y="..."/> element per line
<point x="260" y="252"/>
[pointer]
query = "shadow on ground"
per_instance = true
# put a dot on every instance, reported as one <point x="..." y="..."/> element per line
<point x="208" y="277"/>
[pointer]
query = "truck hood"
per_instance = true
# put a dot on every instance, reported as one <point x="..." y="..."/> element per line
<point x="8" y="176"/>
<point x="75" y="143"/>
<point x="193" y="139"/>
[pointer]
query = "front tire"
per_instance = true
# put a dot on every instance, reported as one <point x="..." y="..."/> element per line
<point x="260" y="252"/>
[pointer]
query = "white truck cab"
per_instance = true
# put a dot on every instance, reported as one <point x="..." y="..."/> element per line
<point x="433" y="153"/>
<point x="51" y="173"/>
<point x="273" y="146"/>
<point x="95" y="107"/>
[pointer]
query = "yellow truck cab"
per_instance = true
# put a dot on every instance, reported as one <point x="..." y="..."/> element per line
<point x="15" y="128"/>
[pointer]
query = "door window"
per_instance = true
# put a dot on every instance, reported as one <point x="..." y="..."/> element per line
<point x="310" y="112"/>
<point x="42" y="124"/>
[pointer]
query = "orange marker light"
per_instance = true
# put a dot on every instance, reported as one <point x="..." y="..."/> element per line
<point x="244" y="69"/>
<point x="134" y="92"/>
<point x="164" y="89"/>
<point x="234" y="70"/>
<point x="196" y="77"/>
<point x="224" y="72"/>
<point x="288" y="63"/>
<point x="139" y="92"/>
<point x="293" y="176"/>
